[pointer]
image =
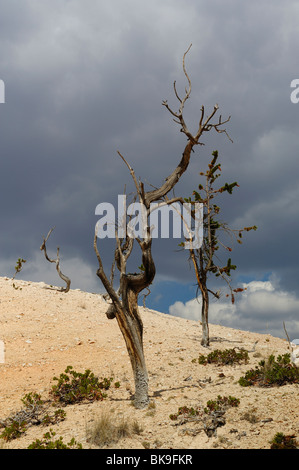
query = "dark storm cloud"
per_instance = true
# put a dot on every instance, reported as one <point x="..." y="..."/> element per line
<point x="85" y="79"/>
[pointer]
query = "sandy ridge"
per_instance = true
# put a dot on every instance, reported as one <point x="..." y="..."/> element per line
<point x="44" y="330"/>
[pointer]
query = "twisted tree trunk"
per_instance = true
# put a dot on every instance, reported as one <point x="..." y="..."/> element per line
<point x="131" y="326"/>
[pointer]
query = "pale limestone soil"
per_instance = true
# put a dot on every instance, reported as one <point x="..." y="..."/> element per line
<point x="45" y="330"/>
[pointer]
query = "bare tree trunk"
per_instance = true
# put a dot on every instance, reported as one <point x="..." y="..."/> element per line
<point x="125" y="310"/>
<point x="202" y="284"/>
<point x="205" y="340"/>
<point x="131" y="326"/>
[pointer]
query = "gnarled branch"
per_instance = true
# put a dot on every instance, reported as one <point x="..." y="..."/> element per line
<point x="56" y="261"/>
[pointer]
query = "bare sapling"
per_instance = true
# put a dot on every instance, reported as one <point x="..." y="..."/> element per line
<point x="206" y="260"/>
<point x="56" y="261"/>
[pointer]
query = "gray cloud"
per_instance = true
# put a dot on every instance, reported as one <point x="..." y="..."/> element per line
<point x="262" y="304"/>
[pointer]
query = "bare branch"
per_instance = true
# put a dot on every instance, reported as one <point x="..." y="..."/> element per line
<point x="43" y="246"/>
<point x="133" y="175"/>
<point x="56" y="261"/>
<point x="63" y="276"/>
<point x="287" y="335"/>
<point x="101" y="274"/>
<point x="179" y="119"/>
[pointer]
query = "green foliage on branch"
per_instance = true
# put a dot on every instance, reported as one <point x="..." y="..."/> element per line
<point x="212" y="224"/>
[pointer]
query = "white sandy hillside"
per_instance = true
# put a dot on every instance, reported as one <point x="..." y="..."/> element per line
<point x="45" y="330"/>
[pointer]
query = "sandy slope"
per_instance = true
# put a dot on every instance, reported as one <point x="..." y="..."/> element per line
<point x="45" y="330"/>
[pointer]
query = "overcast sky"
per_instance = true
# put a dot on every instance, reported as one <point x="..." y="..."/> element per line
<point x="84" y="79"/>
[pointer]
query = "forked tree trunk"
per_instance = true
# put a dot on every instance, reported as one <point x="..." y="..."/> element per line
<point x="128" y="318"/>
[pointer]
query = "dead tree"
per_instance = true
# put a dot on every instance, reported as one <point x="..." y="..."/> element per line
<point x="124" y="305"/>
<point x="56" y="261"/>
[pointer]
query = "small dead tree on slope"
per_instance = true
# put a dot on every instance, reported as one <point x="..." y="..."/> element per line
<point x="124" y="305"/>
<point x="56" y="261"/>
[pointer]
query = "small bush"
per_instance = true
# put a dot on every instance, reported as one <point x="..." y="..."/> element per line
<point x="73" y="387"/>
<point x="280" y="441"/>
<point x="186" y="412"/>
<point x="221" y="403"/>
<point x="35" y="412"/>
<point x="271" y="372"/>
<point x="48" y="443"/>
<point x="225" y="357"/>
<point x="13" y="430"/>
<point x="210" y="417"/>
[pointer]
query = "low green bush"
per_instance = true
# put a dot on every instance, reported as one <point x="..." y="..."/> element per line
<point x="280" y="441"/>
<point x="35" y="412"/>
<point x="221" y="403"/>
<point x="224" y="357"/>
<point x="271" y="372"/>
<point x="185" y="411"/>
<point x="48" y="443"/>
<point x="73" y="387"/>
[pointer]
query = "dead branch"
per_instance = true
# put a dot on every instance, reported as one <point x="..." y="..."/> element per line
<point x="179" y="118"/>
<point x="288" y="338"/>
<point x="56" y="261"/>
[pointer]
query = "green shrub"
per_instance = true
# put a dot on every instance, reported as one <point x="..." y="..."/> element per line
<point x="221" y="403"/>
<point x="59" y="415"/>
<point x="280" y="441"/>
<point x="185" y="411"/>
<point x="48" y="443"/>
<point x="271" y="372"/>
<point x="32" y="399"/>
<point x="73" y="387"/>
<point x="225" y="357"/>
<point x="13" y="430"/>
<point x="35" y="412"/>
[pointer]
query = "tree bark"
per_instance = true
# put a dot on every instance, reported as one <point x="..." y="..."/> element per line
<point x="205" y="340"/>
<point x="201" y="278"/>
<point x="125" y="310"/>
<point x="131" y="326"/>
<point x="57" y="262"/>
